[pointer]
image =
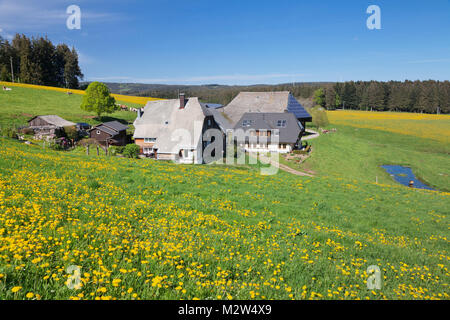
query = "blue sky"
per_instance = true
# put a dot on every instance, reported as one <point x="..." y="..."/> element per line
<point x="243" y="42"/>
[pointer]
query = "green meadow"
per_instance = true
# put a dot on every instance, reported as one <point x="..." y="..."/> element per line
<point x="142" y="229"/>
<point x="21" y="104"/>
<point x="359" y="153"/>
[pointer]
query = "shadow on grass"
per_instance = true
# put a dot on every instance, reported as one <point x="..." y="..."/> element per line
<point x="109" y="119"/>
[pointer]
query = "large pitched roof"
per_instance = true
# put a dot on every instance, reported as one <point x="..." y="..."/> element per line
<point x="55" y="120"/>
<point x="173" y="128"/>
<point x="264" y="102"/>
<point x="269" y="121"/>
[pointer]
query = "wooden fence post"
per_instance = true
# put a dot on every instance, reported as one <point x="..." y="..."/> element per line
<point x="87" y="149"/>
<point x="98" y="151"/>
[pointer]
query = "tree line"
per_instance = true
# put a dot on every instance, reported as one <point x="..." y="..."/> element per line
<point x="38" y="61"/>
<point x="212" y="93"/>
<point x="408" y="96"/>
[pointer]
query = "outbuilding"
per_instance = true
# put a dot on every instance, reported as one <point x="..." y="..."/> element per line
<point x="110" y="133"/>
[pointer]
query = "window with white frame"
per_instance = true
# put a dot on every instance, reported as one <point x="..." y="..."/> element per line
<point x="148" y="150"/>
<point x="149" y="140"/>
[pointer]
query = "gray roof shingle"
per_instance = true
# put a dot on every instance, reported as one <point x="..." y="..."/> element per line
<point x="165" y="121"/>
<point x="113" y="127"/>
<point x="116" y="125"/>
<point x="55" y="120"/>
<point x="266" y="102"/>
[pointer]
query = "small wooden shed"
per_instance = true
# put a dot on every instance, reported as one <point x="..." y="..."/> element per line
<point x="110" y="133"/>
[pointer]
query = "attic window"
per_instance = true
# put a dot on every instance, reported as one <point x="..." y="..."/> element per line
<point x="98" y="131"/>
<point x="281" y="123"/>
<point x="247" y="123"/>
<point x="166" y="123"/>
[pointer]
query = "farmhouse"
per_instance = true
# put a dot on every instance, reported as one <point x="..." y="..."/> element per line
<point x="269" y="117"/>
<point x="173" y="129"/>
<point x="110" y="133"/>
<point x="266" y="128"/>
<point x="50" y="126"/>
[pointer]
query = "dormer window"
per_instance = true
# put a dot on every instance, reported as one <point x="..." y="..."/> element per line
<point x="281" y="123"/>
<point x="247" y="123"/>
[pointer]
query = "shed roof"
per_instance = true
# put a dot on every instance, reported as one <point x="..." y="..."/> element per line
<point x="113" y="127"/>
<point x="54" y="120"/>
<point x="116" y="125"/>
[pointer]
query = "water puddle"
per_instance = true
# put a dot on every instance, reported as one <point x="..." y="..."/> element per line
<point x="405" y="176"/>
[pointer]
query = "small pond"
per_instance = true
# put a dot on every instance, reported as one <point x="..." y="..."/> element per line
<point x="404" y="175"/>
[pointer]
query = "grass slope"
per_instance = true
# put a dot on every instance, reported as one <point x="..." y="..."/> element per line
<point x="20" y="104"/>
<point x="358" y="153"/>
<point x="154" y="230"/>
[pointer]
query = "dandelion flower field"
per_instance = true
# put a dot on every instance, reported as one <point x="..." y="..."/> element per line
<point x="154" y="230"/>
<point x="429" y="126"/>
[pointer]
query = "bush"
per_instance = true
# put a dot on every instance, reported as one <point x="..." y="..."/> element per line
<point x="71" y="133"/>
<point x="131" y="151"/>
<point x="27" y="131"/>
<point x="9" y="133"/>
<point x="319" y="117"/>
<point x="115" y="150"/>
<point x="56" y="146"/>
<point x="301" y="152"/>
<point x="87" y="142"/>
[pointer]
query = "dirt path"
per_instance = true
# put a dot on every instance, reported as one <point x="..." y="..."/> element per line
<point x="314" y="135"/>
<point x="293" y="171"/>
<point x="284" y="167"/>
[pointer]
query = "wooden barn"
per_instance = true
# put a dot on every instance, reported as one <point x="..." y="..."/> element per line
<point x="49" y="127"/>
<point x="111" y="133"/>
<point x="51" y="121"/>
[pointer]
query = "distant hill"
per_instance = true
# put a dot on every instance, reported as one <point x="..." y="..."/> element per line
<point x="408" y="96"/>
<point x="213" y="93"/>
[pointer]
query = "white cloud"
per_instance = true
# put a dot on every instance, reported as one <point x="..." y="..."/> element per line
<point x="261" y="78"/>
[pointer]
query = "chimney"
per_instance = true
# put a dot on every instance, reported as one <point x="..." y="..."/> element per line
<point x="182" y="100"/>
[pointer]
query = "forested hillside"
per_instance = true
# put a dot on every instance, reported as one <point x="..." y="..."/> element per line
<point x="38" y="61"/>
<point x="409" y="96"/>
<point x="418" y="96"/>
<point x="213" y="93"/>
